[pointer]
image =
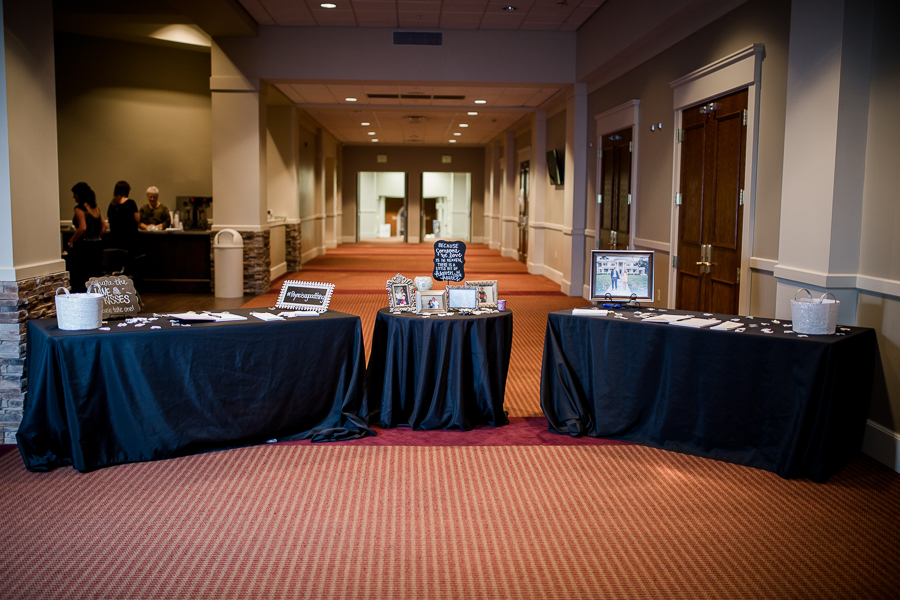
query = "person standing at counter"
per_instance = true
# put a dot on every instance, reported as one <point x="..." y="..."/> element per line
<point x="153" y="214"/>
<point x="123" y="217"/>
<point x="84" y="247"/>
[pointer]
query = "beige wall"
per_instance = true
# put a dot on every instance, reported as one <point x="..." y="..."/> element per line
<point x="306" y="186"/>
<point x="879" y="260"/>
<point x="413" y="161"/>
<point x="281" y="187"/>
<point x="135" y="112"/>
<point x="757" y="21"/>
<point x="28" y="202"/>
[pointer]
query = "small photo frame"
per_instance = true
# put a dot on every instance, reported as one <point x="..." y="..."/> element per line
<point x="401" y="293"/>
<point x="486" y="292"/>
<point x="622" y="274"/>
<point x="431" y="302"/>
<point x="305" y="295"/>
<point x="461" y="297"/>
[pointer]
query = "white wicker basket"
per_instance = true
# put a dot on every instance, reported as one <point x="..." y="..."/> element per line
<point x="79" y="311"/>
<point x="814" y="316"/>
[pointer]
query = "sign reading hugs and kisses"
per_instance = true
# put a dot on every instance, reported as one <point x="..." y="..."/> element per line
<point x="120" y="299"/>
<point x="449" y="261"/>
<point x="305" y="295"/>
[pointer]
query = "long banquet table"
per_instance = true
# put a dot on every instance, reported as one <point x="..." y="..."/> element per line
<point x="793" y="405"/>
<point x="99" y="398"/>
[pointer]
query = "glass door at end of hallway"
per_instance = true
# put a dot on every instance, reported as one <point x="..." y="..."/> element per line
<point x="382" y="206"/>
<point x="446" y="206"/>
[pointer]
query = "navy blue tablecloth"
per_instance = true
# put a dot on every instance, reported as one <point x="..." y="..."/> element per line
<point x="439" y="372"/>
<point x="100" y="398"/>
<point x="793" y="405"/>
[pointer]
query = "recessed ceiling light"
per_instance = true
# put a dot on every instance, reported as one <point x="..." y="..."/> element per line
<point x="328" y="5"/>
<point x="457" y="133"/>
<point x="371" y="133"/>
<point x="463" y="124"/>
<point x="365" y="124"/>
<point x="472" y="113"/>
<point x="374" y="139"/>
<point x="349" y="99"/>
<point x="452" y="141"/>
<point x="481" y="102"/>
<point x="509" y="8"/>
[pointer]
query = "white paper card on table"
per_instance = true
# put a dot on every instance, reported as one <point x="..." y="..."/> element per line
<point x="727" y="326"/>
<point x="191" y="316"/>
<point x="589" y="312"/>
<point x="290" y="314"/>
<point x="666" y="318"/>
<point x="226" y="316"/>
<point x="696" y="323"/>
<point x="267" y="316"/>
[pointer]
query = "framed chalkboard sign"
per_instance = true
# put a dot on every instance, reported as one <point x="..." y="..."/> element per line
<point x="449" y="261"/>
<point x="305" y="295"/>
<point x="120" y="299"/>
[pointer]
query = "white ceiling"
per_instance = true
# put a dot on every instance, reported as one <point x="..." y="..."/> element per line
<point x="413" y="115"/>
<point x="562" y="15"/>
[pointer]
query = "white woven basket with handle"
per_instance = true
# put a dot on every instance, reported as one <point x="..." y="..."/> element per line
<point x="76" y="312"/>
<point x="815" y="316"/>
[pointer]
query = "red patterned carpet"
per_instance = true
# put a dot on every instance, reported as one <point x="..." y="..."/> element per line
<point x="496" y="513"/>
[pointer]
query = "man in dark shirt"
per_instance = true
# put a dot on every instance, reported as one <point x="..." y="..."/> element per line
<point x="153" y="214"/>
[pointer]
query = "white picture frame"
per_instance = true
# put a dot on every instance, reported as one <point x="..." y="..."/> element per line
<point x="487" y="292"/>
<point x="462" y="297"/>
<point x="305" y="295"/>
<point x="431" y="302"/>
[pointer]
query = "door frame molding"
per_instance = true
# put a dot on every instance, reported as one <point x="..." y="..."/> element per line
<point x="616" y="119"/>
<point x="742" y="69"/>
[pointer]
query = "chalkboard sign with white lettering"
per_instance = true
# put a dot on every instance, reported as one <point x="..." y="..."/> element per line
<point x="305" y="295"/>
<point x="449" y="261"/>
<point x="120" y="299"/>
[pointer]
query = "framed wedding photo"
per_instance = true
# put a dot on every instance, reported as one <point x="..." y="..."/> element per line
<point x="401" y="293"/>
<point x="431" y="302"/>
<point x="486" y="292"/>
<point x="621" y="274"/>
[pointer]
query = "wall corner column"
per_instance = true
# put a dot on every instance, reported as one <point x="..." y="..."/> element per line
<point x="575" y="191"/>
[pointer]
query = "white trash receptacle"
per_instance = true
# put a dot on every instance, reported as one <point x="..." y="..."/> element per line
<point x="228" y="252"/>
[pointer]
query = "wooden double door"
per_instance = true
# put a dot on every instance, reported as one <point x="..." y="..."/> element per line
<point x="614" y="208"/>
<point x="713" y="144"/>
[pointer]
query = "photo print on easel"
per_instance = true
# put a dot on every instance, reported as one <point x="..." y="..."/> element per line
<point x="401" y="293"/>
<point x="305" y="295"/>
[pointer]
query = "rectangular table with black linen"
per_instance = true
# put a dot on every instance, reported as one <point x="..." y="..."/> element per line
<point x="100" y="398"/>
<point x="438" y="372"/>
<point x="775" y="401"/>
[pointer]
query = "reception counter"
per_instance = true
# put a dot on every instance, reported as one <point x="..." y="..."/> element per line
<point x="172" y="261"/>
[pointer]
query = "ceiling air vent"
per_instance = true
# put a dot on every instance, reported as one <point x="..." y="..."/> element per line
<point x="436" y="97"/>
<point x="383" y="96"/>
<point x="418" y="38"/>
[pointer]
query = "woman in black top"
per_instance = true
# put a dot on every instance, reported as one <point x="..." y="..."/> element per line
<point x="85" y="247"/>
<point x="123" y="218"/>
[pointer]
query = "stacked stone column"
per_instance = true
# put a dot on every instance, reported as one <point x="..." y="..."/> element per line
<point x="20" y="301"/>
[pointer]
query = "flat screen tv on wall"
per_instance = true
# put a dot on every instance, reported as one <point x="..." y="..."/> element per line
<point x="555" y="166"/>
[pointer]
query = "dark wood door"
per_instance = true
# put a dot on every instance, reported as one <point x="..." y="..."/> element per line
<point x="524" y="183"/>
<point x="710" y="219"/>
<point x="392" y="209"/>
<point x="614" y="212"/>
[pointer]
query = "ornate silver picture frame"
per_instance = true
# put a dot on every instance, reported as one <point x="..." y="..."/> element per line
<point x="401" y="293"/>
<point x="487" y="292"/>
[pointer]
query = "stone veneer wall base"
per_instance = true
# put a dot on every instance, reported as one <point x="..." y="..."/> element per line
<point x="21" y="301"/>
<point x="257" y="261"/>
<point x="292" y="252"/>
